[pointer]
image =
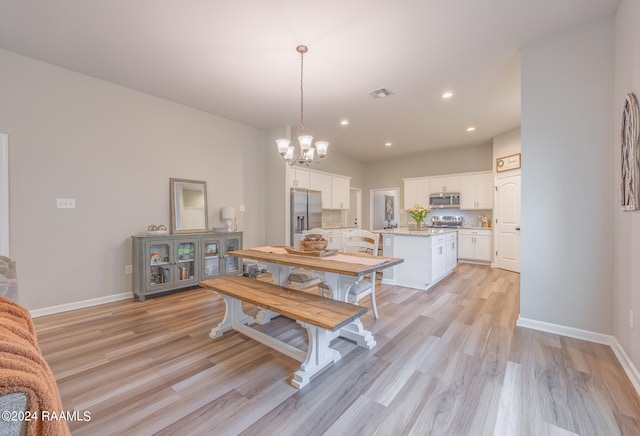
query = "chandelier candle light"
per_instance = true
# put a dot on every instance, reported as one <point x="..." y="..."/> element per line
<point x="308" y="152"/>
<point x="418" y="213"/>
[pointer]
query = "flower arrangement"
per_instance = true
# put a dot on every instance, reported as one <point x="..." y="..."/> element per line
<point x="418" y="213"/>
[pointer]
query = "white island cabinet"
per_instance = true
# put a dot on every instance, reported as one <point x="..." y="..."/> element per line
<point x="429" y="256"/>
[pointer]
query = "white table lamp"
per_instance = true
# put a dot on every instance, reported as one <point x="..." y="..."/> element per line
<point x="229" y="213"/>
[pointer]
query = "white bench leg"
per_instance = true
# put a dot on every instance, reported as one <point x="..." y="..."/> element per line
<point x="233" y="314"/>
<point x="319" y="356"/>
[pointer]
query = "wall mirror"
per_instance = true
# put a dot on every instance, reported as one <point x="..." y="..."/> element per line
<point x="188" y="206"/>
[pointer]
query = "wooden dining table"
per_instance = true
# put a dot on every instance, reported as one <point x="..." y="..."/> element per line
<point x="341" y="271"/>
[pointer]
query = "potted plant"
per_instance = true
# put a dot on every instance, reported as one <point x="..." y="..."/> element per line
<point x="418" y="213"/>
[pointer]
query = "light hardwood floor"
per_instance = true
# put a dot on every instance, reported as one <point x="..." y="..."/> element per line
<point x="450" y="361"/>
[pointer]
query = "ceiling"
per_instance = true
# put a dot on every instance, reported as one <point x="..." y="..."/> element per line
<point x="237" y="59"/>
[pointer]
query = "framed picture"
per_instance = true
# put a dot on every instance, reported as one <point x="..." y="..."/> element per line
<point x="507" y="163"/>
<point x="630" y="159"/>
<point x="388" y="207"/>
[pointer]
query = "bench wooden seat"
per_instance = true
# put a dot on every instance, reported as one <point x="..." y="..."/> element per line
<point x="318" y="315"/>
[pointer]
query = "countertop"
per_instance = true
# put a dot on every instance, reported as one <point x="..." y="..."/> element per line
<point x="403" y="231"/>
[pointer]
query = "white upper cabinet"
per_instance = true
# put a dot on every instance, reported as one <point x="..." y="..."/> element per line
<point x="416" y="191"/>
<point x="321" y="182"/>
<point x="476" y="192"/>
<point x="444" y="184"/>
<point x="299" y="178"/>
<point x="340" y="192"/>
<point x="335" y="189"/>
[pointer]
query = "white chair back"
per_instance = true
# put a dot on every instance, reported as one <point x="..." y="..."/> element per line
<point x="360" y="241"/>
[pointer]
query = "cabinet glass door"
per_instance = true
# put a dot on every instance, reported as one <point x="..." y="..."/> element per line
<point x="159" y="268"/>
<point x="231" y="263"/>
<point x="186" y="262"/>
<point x="211" y="259"/>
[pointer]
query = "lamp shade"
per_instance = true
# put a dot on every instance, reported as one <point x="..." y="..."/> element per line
<point x="305" y="142"/>
<point x="283" y="146"/>
<point x="228" y="213"/>
<point x="321" y="148"/>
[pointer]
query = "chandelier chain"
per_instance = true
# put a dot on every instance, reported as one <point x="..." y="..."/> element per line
<point x="301" y="91"/>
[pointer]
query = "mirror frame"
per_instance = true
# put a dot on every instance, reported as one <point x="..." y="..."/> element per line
<point x="173" y="183"/>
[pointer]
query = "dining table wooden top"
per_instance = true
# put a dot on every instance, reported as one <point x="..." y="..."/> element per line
<point x="341" y="263"/>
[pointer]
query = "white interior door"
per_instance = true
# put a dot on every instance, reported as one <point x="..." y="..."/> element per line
<point x="506" y="216"/>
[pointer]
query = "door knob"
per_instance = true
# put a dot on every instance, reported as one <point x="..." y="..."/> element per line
<point x="518" y="228"/>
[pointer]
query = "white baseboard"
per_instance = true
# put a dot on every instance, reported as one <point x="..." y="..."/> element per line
<point x="571" y="332"/>
<point x="80" y="304"/>
<point x="612" y="341"/>
<point x="627" y="364"/>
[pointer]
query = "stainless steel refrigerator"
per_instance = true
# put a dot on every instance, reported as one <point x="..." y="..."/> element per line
<point x="306" y="213"/>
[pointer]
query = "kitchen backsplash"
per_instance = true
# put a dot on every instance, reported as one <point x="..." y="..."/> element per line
<point x="333" y="218"/>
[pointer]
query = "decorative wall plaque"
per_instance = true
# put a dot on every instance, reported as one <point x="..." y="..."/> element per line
<point x="630" y="135"/>
<point x="506" y="163"/>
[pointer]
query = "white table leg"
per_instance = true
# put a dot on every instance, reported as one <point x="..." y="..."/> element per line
<point x="319" y="356"/>
<point x="233" y="314"/>
<point x="355" y="331"/>
<point x="280" y="275"/>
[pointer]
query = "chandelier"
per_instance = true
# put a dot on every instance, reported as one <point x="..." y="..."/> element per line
<point x="308" y="153"/>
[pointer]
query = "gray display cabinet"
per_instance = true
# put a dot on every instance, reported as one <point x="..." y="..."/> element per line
<point x="171" y="262"/>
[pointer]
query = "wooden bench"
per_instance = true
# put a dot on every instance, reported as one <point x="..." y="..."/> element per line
<point x="318" y="315"/>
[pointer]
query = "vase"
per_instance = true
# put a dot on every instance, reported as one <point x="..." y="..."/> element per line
<point x="419" y="224"/>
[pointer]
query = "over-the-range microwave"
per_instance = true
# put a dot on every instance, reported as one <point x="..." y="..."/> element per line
<point x="444" y="200"/>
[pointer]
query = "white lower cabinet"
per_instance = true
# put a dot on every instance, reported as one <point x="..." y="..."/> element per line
<point x="451" y="248"/>
<point x="438" y="257"/>
<point x="474" y="245"/>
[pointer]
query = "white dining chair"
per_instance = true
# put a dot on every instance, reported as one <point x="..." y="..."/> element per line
<point x="301" y="279"/>
<point x="360" y="241"/>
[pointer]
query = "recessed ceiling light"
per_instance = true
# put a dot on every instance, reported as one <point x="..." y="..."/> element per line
<point x="447" y="94"/>
<point x="471" y="129"/>
<point x="388" y="144"/>
<point x="344" y="122"/>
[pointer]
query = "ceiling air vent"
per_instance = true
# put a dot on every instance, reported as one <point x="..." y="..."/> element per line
<point x="380" y="93"/>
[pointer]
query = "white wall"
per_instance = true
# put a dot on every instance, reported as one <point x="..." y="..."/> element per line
<point x="113" y="150"/>
<point x="627" y="224"/>
<point x="567" y="107"/>
<point x="4" y="195"/>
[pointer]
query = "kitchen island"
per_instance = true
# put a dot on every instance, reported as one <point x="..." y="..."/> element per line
<point x="429" y="256"/>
